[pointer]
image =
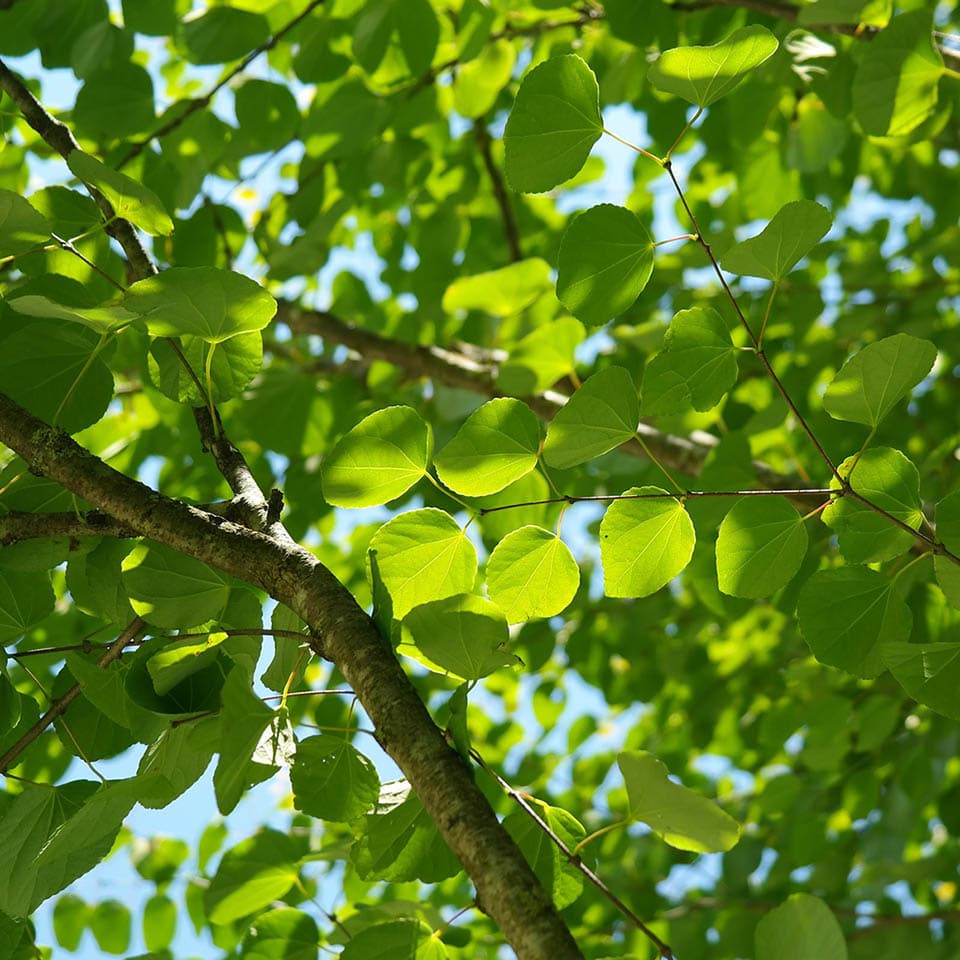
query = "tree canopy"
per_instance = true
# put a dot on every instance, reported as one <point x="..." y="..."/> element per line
<point x="522" y="433"/>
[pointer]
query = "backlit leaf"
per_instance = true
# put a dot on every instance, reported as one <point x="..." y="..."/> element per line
<point x="380" y="459"/>
<point x="803" y="927"/>
<point x="21" y="227"/>
<point x="702" y="75"/>
<point x="644" y="543"/>
<point x="760" y="546"/>
<point x="464" y="636"/>
<point x="554" y="122"/>
<point x="888" y="479"/>
<point x="929" y="672"/>
<point x="873" y="381"/>
<point x="675" y="813"/>
<point x="423" y="555"/>
<point x="695" y="368"/>
<point x="846" y="616"/>
<point x="602" y="414"/>
<point x="606" y="259"/>
<point x="502" y="292"/>
<point x="332" y="780"/>
<point x="532" y="573"/>
<point x="793" y="232"/>
<point x="496" y="446"/>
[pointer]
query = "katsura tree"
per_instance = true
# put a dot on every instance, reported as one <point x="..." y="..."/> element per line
<point x="523" y="433"/>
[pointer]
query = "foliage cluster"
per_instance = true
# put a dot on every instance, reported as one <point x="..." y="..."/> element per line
<point x="655" y="601"/>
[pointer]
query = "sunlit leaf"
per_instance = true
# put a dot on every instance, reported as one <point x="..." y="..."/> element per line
<point x="678" y="815"/>
<point x="532" y="573"/>
<point x="702" y="75"/>
<point x="332" y="780"/>
<point x="930" y="673"/>
<point x="760" y="546"/>
<point x="605" y="261"/>
<point x="602" y="414"/>
<point x="873" y="381"/>
<point x="381" y="458"/>
<point x="847" y="614"/>
<point x="794" y="231"/>
<point x="644" y="543"/>
<point x="554" y="122"/>
<point x="801" y="928"/>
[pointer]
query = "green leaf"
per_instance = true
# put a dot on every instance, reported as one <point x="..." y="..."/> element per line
<point x="760" y="546"/>
<point x="702" y="75"/>
<point x="21" y="227"/>
<point x="267" y="115"/>
<point x="10" y="705"/>
<point x="554" y="122"/>
<point x="400" y="842"/>
<point x="234" y="364"/>
<point x="70" y="916"/>
<point x="605" y="261"/>
<point x="106" y="319"/>
<point x="644" y="543"/>
<point x="695" y="368"/>
<point x="223" y="33"/>
<point x="532" y="573"/>
<point x="380" y="459"/>
<point x="115" y="104"/>
<point x="463" y="636"/>
<point x="332" y="780"/>
<point x="801" y="928"/>
<point x="159" y="922"/>
<point x="405" y="939"/>
<point x="282" y="934"/>
<point x="602" y="414"/>
<point x="947" y="518"/>
<point x="873" y="381"/>
<point x="176" y="760"/>
<point x="423" y="555"/>
<point x="25" y="599"/>
<point x="541" y="358"/>
<point x="887" y="478"/>
<point x="871" y="13"/>
<point x="500" y="293"/>
<point x="251" y="875"/>
<point x="244" y="718"/>
<point x="180" y="658"/>
<point x="130" y="200"/>
<point x="929" y="672"/>
<point x="561" y="879"/>
<point x="171" y="590"/>
<point x="477" y="83"/>
<point x="287" y="650"/>
<point x="497" y="445"/>
<point x="896" y="85"/>
<point x="678" y="815"/>
<point x="110" y="924"/>
<point x="846" y="614"/>
<point x="793" y="232"/>
<point x="56" y="375"/>
<point x="204" y="302"/>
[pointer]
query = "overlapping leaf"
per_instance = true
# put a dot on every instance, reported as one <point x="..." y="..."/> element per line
<point x="606" y="259"/>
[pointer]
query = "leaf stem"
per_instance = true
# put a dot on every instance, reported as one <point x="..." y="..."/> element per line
<point x="633" y="146"/>
<point x="766" y="314"/>
<point x="609" y="828"/>
<point x="676" y="143"/>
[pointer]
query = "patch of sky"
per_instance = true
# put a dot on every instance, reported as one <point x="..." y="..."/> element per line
<point x="703" y="873"/>
<point x="794" y="743"/>
<point x="716" y="767"/>
<point x="768" y="858"/>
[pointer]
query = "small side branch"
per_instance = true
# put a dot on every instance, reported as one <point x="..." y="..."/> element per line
<point x="510" y="231"/>
<point x="59" y="706"/>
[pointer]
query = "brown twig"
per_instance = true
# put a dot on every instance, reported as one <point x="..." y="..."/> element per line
<point x="59" y="706"/>
<point x="510" y="232"/>
<point x="574" y="859"/>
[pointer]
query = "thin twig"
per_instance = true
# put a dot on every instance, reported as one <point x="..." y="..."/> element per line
<point x="200" y="102"/>
<point x="59" y="706"/>
<point x="575" y="860"/>
<point x="510" y="231"/>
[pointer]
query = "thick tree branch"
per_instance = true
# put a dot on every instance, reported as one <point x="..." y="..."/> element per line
<point x="59" y="137"/>
<point x="17" y="526"/>
<point x="685" y="454"/>
<point x="506" y="887"/>
<point x="59" y="706"/>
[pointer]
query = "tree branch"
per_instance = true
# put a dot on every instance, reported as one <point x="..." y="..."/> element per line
<point x="200" y="102"/>
<point x="685" y="454"/>
<point x="17" y="526"/>
<point x="59" y="137"/>
<point x="506" y="887"/>
<point x="510" y="231"/>
<point x="59" y="706"/>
